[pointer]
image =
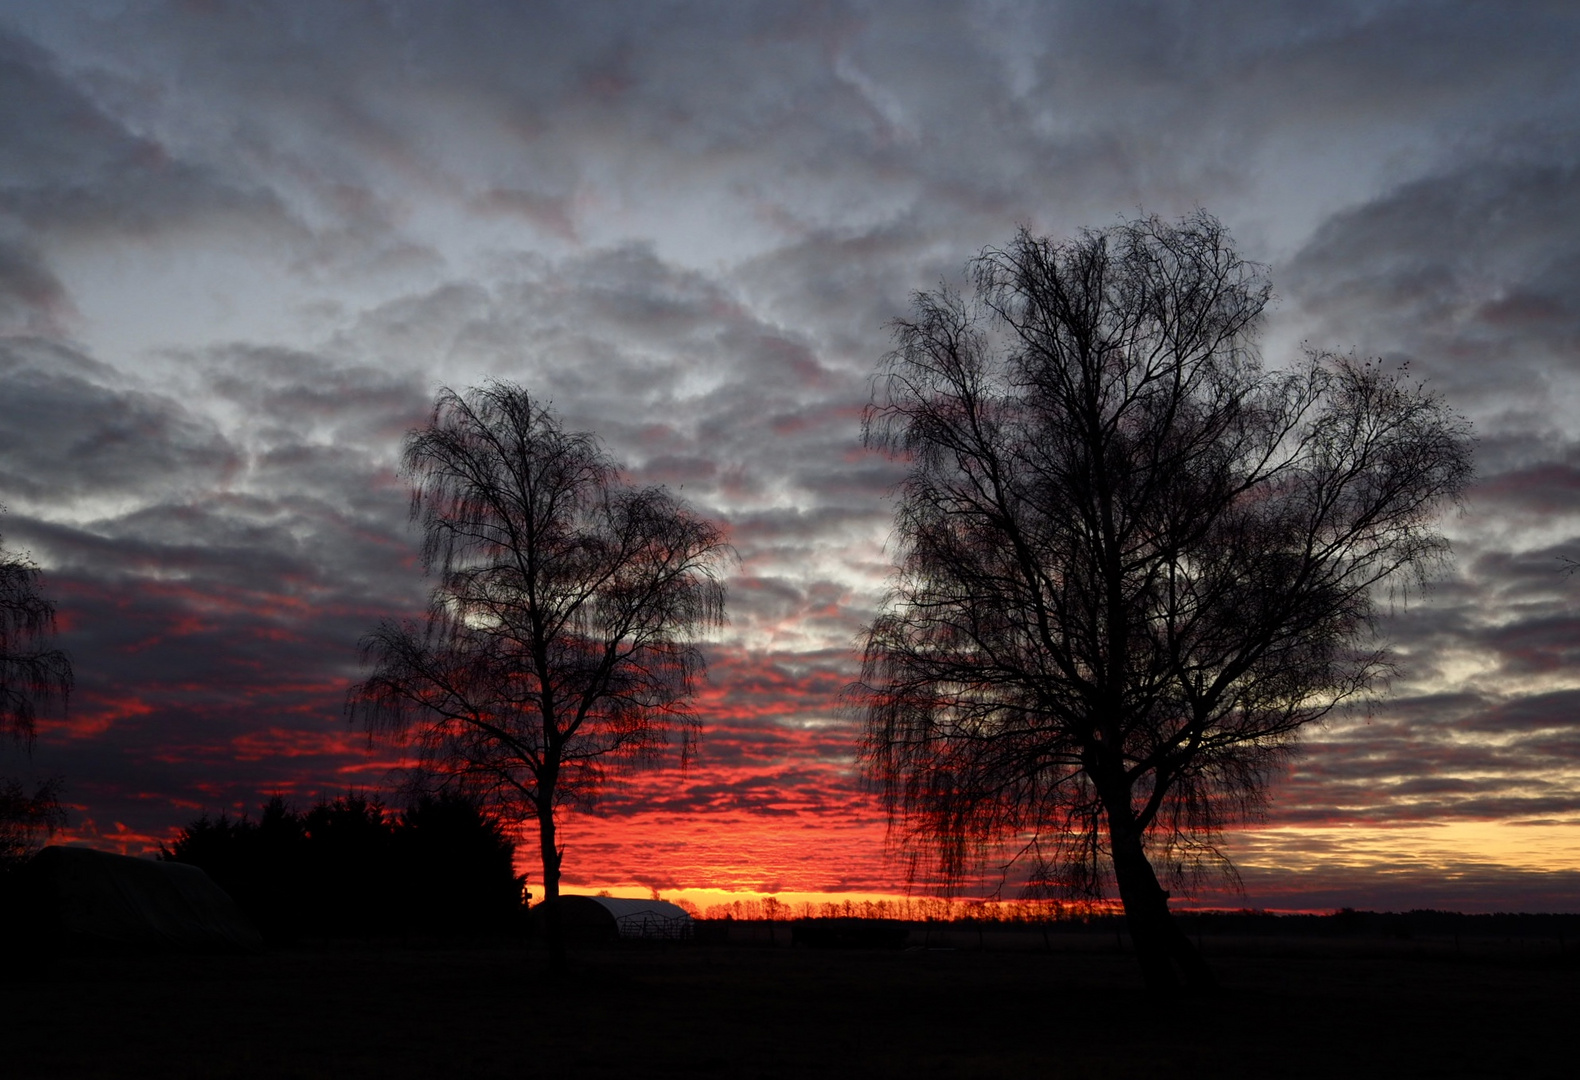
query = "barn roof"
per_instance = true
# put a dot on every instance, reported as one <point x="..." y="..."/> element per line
<point x="625" y="907"/>
<point x="628" y="917"/>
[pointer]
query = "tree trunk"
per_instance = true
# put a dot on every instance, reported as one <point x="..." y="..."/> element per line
<point x="1161" y="946"/>
<point x="551" y="853"/>
<point x="554" y="923"/>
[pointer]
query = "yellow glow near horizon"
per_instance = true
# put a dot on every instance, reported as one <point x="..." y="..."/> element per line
<point x="706" y="898"/>
<point x="1539" y="847"/>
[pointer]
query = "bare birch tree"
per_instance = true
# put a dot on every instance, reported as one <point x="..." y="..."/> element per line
<point x="1132" y="564"/>
<point x="560" y="641"/>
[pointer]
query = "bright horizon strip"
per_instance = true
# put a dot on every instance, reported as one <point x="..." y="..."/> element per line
<point x="793" y="904"/>
<point x="1296" y="849"/>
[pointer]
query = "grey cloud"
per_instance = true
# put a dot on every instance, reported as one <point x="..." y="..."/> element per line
<point x="1556" y="710"/>
<point x="1468" y="273"/>
<point x="1408" y="884"/>
<point x="1439" y="757"/>
<point x="666" y="364"/>
<point x="966" y="119"/>
<point x="73" y="428"/>
<point x="33" y="302"/>
<point x="70" y="165"/>
<point x="309" y="400"/>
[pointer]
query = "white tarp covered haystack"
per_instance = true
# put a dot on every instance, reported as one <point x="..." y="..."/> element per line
<point x="77" y="899"/>
<point x="602" y="917"/>
<point x="647" y="918"/>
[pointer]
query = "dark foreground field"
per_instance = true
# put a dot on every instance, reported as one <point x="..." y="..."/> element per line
<point x="732" y="1010"/>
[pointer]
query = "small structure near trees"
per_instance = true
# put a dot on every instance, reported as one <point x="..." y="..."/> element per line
<point x="612" y="918"/>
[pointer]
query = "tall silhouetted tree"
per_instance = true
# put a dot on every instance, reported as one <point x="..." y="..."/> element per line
<point x="1131" y="563"/>
<point x="560" y="638"/>
<point x="33" y="675"/>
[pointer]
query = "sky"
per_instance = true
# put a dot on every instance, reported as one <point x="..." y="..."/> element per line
<point x="242" y="245"/>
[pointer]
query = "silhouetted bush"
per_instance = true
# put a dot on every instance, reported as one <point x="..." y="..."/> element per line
<point x="457" y="865"/>
<point x="353" y="885"/>
<point x="349" y="867"/>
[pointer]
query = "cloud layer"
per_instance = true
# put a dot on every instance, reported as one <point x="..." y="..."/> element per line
<point x="241" y="245"/>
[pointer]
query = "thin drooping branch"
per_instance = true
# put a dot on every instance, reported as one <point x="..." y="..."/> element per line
<point x="33" y="673"/>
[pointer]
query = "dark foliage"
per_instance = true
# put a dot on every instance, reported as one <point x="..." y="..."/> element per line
<point x="349" y="868"/>
<point x="458" y="865"/>
<point x="1132" y="564"/>
<point x="27" y="818"/>
<point x="849" y="933"/>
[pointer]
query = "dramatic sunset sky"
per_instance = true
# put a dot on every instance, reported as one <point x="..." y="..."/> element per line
<point x="242" y="244"/>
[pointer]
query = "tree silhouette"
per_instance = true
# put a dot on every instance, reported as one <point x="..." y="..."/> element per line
<point x="27" y="818"/>
<point x="1131" y="563"/>
<point x="560" y="634"/>
<point x="33" y="675"/>
<point x="32" y="672"/>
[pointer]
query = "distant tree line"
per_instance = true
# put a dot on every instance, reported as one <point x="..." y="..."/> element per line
<point x="350" y="867"/>
<point x="903" y="909"/>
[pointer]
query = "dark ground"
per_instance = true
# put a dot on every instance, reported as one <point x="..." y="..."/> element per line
<point x="1290" y="1008"/>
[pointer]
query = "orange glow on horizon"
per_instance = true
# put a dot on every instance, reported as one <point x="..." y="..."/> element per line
<point x="792" y="904"/>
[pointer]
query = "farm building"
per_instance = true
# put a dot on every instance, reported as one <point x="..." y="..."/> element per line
<point x="610" y="917"/>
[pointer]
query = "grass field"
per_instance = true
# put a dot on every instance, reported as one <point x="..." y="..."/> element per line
<point x="1289" y="1008"/>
